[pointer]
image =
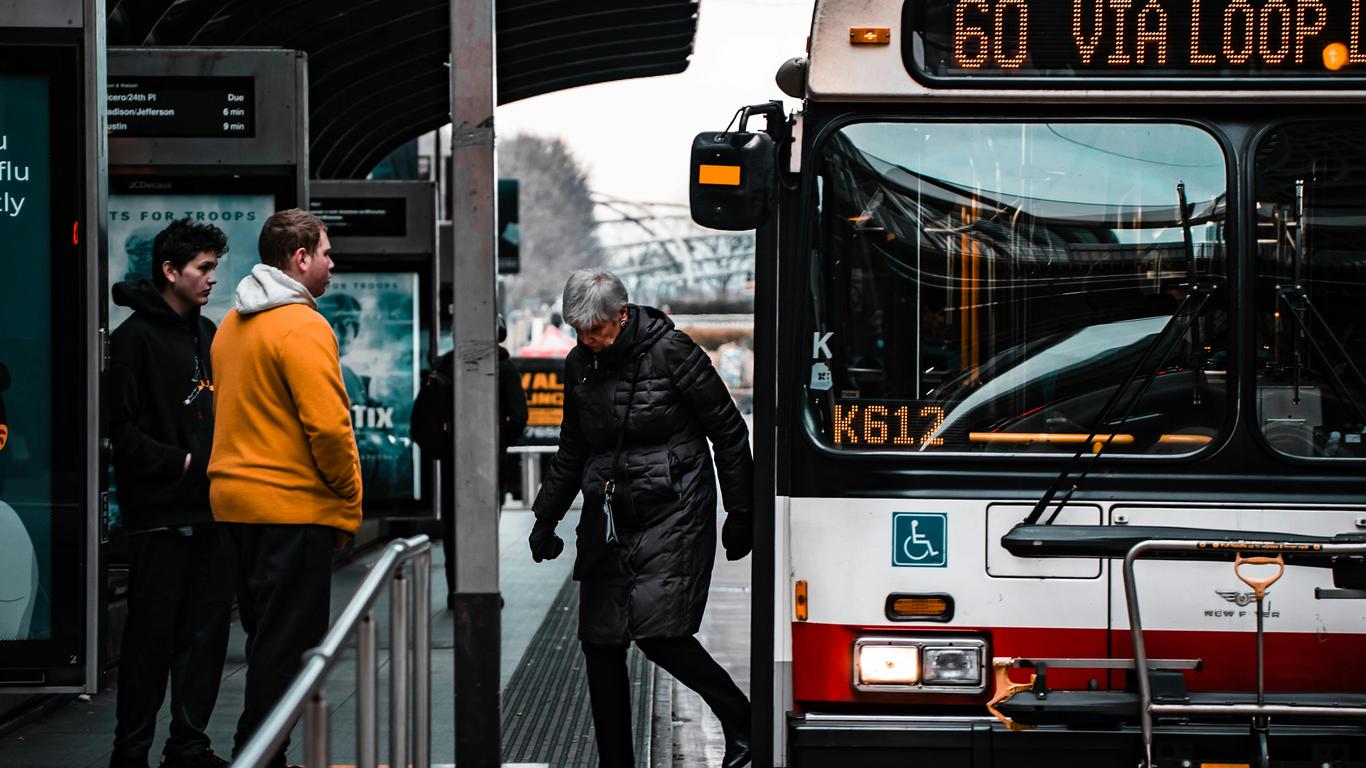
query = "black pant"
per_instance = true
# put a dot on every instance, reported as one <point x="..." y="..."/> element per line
<point x="179" y="608"/>
<point x="447" y="475"/>
<point x="609" y="691"/>
<point x="284" y="580"/>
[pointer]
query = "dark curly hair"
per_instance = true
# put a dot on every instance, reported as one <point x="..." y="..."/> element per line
<point x="181" y="241"/>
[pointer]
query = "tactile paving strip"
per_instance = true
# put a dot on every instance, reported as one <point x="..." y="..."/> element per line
<point x="546" y="718"/>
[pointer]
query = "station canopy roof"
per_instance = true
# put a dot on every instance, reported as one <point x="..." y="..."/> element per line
<point x="377" y="68"/>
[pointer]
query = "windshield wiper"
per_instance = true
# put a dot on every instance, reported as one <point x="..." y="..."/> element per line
<point x="1192" y="307"/>
<point x="1196" y="359"/>
<point x="1297" y="305"/>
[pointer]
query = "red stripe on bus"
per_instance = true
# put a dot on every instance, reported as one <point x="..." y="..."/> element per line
<point x="822" y="659"/>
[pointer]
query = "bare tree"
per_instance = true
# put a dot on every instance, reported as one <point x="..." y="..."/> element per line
<point x="557" y="233"/>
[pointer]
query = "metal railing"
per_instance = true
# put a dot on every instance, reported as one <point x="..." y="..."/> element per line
<point x="531" y="468"/>
<point x="409" y="671"/>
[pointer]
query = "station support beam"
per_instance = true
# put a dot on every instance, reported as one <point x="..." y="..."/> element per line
<point x="478" y="737"/>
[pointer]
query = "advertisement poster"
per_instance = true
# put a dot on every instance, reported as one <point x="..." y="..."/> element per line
<point x="375" y="317"/>
<point x="543" y="384"/>
<point x="135" y="220"/>
<point x="26" y="334"/>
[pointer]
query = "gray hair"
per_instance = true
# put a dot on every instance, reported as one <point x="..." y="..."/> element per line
<point x="592" y="296"/>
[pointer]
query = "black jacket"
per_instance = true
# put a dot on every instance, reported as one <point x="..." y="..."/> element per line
<point x="654" y="581"/>
<point x="512" y="411"/>
<point x="158" y="411"/>
<point x="433" y="410"/>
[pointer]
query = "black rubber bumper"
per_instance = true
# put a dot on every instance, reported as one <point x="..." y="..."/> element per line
<point x="876" y="741"/>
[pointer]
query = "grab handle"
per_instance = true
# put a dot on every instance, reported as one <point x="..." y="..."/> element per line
<point x="1259" y="586"/>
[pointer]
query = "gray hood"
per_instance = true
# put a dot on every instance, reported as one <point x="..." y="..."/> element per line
<point x="267" y="288"/>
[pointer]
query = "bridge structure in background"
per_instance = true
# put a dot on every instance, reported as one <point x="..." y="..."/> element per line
<point x="662" y="256"/>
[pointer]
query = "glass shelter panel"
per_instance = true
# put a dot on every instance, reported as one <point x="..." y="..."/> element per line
<point x="991" y="287"/>
<point x="1311" y="269"/>
<point x="43" y="426"/>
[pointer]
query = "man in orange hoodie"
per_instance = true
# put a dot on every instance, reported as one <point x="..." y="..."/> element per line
<point x="284" y="477"/>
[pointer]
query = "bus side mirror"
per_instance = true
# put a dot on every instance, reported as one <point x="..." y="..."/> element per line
<point x="732" y="182"/>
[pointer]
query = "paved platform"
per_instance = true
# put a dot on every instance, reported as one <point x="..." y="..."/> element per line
<point x="81" y="734"/>
<point x="546" y="716"/>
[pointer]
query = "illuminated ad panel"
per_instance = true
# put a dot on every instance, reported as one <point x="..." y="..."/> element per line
<point x="135" y="220"/>
<point x="139" y="214"/>
<point x="1137" y="40"/>
<point x="26" y="360"/>
<point x="375" y="317"/>
<point x="543" y="385"/>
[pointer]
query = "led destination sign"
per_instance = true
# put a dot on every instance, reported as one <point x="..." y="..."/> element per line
<point x="182" y="107"/>
<point x="886" y="425"/>
<point x="1136" y="40"/>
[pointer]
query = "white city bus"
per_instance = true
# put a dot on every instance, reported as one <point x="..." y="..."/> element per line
<point x="1040" y="278"/>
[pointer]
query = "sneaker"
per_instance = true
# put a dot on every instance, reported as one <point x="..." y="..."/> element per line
<point x="201" y="760"/>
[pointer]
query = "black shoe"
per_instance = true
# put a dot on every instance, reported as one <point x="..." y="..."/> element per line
<point x="127" y="762"/>
<point x="201" y="760"/>
<point x="737" y="752"/>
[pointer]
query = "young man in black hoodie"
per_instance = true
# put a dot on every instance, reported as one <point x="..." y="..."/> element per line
<point x="161" y="422"/>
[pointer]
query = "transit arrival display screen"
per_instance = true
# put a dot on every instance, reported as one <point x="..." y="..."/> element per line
<point x="1137" y="40"/>
<point x="182" y="107"/>
<point x="362" y="216"/>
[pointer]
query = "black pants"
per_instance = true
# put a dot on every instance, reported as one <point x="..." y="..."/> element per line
<point x="284" y="580"/>
<point x="447" y="476"/>
<point x="609" y="691"/>
<point x="179" y="608"/>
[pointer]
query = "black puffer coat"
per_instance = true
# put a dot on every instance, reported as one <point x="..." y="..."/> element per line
<point x="653" y="582"/>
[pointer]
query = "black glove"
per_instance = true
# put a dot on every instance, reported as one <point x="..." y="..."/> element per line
<point x="737" y="535"/>
<point x="545" y="545"/>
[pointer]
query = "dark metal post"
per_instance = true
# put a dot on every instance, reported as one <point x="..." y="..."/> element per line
<point x="399" y="655"/>
<point x="422" y="660"/>
<point x="367" y="692"/>
<point x="93" y="241"/>
<point x="316" y="747"/>
<point x="767" y="679"/>
<point x="478" y="735"/>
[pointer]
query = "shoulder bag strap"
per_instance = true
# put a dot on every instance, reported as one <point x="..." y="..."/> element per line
<point x="626" y="420"/>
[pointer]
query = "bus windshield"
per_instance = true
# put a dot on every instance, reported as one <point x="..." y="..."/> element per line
<point x="1311" y="234"/>
<point x="986" y="287"/>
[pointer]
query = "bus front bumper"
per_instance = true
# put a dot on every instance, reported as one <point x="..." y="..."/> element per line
<point x="823" y="740"/>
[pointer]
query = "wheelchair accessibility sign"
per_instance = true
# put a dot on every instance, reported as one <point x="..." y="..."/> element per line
<point x="920" y="539"/>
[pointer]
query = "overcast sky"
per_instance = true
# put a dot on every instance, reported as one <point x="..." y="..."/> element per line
<point x="633" y="136"/>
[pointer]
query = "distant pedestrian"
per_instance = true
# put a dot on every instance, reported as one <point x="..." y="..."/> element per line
<point x="433" y="424"/>
<point x="285" y="474"/>
<point x="161" y="425"/>
<point x="642" y="400"/>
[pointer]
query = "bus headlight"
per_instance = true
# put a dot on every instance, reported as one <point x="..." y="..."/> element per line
<point x="943" y="664"/>
<point x="888" y="664"/>
<point x="953" y="666"/>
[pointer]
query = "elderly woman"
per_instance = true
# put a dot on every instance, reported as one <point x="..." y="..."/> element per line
<point x="643" y="401"/>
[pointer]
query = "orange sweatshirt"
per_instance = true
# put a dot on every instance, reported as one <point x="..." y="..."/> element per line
<point x="283" y="447"/>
